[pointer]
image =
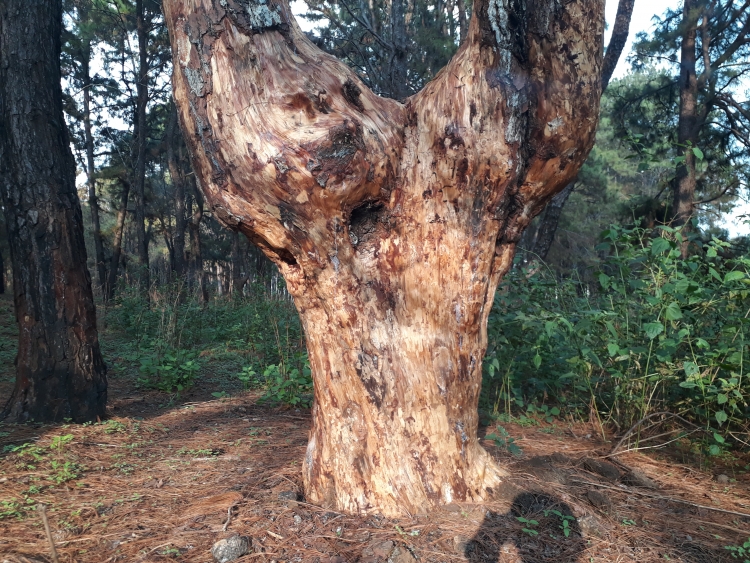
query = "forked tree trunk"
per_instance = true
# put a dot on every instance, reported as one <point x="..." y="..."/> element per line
<point x="392" y="223"/>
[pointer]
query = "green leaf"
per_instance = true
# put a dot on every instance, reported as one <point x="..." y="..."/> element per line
<point x="719" y="438"/>
<point x="714" y="449"/>
<point x="721" y="417"/>
<point x="673" y="311"/>
<point x="721" y="398"/>
<point x="537" y="360"/>
<point x="612" y="348"/>
<point x="734" y="276"/>
<point x="660" y="245"/>
<point x="653" y="330"/>
<point x="691" y="368"/>
<point x="698" y="153"/>
<point x="711" y="252"/>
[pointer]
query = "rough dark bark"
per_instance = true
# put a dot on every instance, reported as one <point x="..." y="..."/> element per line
<point x="141" y="139"/>
<point x="59" y="369"/>
<point x="391" y="222"/>
<point x="114" y="265"/>
<point x="174" y="148"/>
<point x="687" y="130"/>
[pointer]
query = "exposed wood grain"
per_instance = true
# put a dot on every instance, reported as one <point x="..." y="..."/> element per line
<point x="392" y="223"/>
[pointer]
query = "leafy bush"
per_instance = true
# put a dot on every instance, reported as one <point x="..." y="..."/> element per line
<point x="173" y="339"/>
<point x="655" y="333"/>
<point x="290" y="386"/>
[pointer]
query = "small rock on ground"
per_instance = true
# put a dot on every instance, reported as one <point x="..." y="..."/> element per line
<point x="602" y="468"/>
<point x="288" y="495"/>
<point x="401" y="555"/>
<point x="635" y="478"/>
<point x="722" y="479"/>
<point x="230" y="549"/>
<point x="598" y="500"/>
<point x="590" y="526"/>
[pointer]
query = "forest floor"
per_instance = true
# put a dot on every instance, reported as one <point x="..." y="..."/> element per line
<point x="165" y="479"/>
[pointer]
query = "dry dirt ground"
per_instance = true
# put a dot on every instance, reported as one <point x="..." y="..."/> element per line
<point x="157" y="483"/>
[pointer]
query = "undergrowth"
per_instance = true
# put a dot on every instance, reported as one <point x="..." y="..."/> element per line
<point x="173" y="341"/>
<point x="655" y="333"/>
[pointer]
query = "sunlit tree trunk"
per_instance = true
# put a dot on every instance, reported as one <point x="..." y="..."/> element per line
<point x="391" y="222"/>
<point x="60" y="373"/>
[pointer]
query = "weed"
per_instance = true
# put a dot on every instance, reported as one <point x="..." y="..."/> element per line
<point x="529" y="526"/>
<point x="740" y="551"/>
<point x="565" y="521"/>
<point x="504" y="441"/>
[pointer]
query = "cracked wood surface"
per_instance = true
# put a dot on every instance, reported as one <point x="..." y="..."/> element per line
<point x="391" y="222"/>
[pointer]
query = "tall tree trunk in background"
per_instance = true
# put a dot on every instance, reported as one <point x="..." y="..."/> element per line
<point x="620" y="32"/>
<point x="141" y="139"/>
<point x="239" y="277"/>
<point x="462" y="19"/>
<point x="174" y="146"/>
<point x="114" y="265"/>
<point x="685" y="181"/>
<point x="550" y="220"/>
<point x="392" y="223"/>
<point x="101" y="267"/>
<point x="59" y="368"/>
<point x="399" y="76"/>
<point x="2" y="274"/>
<point x="198" y="276"/>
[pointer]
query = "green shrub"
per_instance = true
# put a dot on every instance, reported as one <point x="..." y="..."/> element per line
<point x="655" y="333"/>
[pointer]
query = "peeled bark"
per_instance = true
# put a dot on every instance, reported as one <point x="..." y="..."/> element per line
<point x="550" y="220"/>
<point x="59" y="369"/>
<point x="392" y="223"/>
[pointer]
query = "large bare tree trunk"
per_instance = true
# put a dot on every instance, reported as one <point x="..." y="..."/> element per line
<point x="392" y="223"/>
<point x="59" y="368"/>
